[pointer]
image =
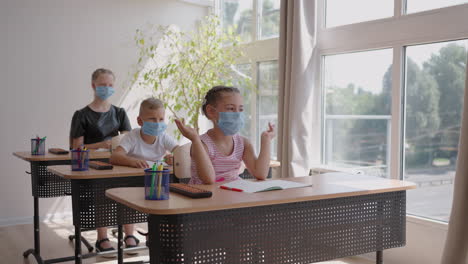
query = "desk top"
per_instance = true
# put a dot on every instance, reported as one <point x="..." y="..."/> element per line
<point x="118" y="171"/>
<point x="26" y="155"/>
<point x="325" y="186"/>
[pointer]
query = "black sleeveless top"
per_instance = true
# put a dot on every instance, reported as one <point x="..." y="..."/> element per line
<point x="96" y="126"/>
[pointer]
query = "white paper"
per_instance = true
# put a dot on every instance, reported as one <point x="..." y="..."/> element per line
<point x="268" y="185"/>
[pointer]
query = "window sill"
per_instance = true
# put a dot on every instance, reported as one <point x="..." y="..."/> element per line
<point x="207" y="3"/>
<point x="427" y="222"/>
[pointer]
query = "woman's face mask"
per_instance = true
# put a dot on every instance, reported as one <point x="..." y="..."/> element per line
<point x="153" y="128"/>
<point x="231" y="122"/>
<point x="104" y="92"/>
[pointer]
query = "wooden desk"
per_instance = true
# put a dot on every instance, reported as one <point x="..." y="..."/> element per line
<point x="340" y="215"/>
<point x="45" y="185"/>
<point x="91" y="208"/>
<point x="26" y="155"/>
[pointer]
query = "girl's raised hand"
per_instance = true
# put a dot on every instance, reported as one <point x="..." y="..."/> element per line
<point x="270" y="132"/>
<point x="187" y="131"/>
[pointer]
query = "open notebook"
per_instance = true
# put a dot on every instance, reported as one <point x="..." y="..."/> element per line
<point x="261" y="186"/>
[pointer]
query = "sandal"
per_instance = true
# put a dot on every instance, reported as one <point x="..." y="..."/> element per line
<point x="137" y="241"/>
<point x="101" y="249"/>
<point x="145" y="235"/>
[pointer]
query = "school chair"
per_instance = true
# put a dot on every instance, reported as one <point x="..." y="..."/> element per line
<point x="181" y="163"/>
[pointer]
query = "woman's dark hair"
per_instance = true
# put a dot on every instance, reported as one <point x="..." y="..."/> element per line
<point x="215" y="93"/>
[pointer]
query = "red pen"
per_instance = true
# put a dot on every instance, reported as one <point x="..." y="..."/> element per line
<point x="232" y="189"/>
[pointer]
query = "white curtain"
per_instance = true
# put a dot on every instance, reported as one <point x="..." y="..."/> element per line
<point x="299" y="99"/>
<point x="456" y="245"/>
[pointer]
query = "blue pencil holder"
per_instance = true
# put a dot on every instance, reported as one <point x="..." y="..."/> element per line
<point x="157" y="184"/>
<point x="79" y="160"/>
<point x="37" y="146"/>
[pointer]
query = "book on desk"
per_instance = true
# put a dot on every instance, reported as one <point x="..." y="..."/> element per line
<point x="261" y="186"/>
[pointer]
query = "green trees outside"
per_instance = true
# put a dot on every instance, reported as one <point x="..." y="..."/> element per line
<point x="244" y="24"/>
<point x="434" y="99"/>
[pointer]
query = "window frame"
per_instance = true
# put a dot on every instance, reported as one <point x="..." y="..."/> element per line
<point x="256" y="52"/>
<point x="397" y="32"/>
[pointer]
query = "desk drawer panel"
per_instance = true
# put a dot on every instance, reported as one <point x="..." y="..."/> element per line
<point x="301" y="232"/>
<point x="93" y="209"/>
<point x="46" y="184"/>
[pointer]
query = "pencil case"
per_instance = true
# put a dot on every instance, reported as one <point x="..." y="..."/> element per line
<point x="58" y="151"/>
<point x="189" y="191"/>
<point x="99" y="165"/>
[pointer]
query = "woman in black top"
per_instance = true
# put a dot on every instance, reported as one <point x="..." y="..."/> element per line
<point x="93" y="127"/>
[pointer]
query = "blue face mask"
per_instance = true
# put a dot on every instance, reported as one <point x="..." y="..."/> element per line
<point x="153" y="128"/>
<point x="104" y="92"/>
<point x="231" y="122"/>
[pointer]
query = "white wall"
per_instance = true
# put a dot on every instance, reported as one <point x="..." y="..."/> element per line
<point x="48" y="50"/>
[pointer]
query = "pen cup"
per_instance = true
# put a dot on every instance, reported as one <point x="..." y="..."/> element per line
<point x="157" y="184"/>
<point x="79" y="160"/>
<point x="37" y="146"/>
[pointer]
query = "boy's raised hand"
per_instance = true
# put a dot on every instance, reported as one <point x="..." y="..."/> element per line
<point x="270" y="132"/>
<point x="187" y="131"/>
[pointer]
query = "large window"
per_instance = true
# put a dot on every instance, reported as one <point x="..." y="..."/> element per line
<point x="238" y="16"/>
<point x="343" y="12"/>
<point x="392" y="92"/>
<point x="413" y="6"/>
<point x="435" y="83"/>
<point x="267" y="100"/>
<point x="358" y="109"/>
<point x="259" y="33"/>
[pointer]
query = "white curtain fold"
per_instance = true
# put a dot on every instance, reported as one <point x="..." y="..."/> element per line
<point x="456" y="244"/>
<point x="298" y="99"/>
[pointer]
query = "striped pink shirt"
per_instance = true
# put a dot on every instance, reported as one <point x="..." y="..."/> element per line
<point x="226" y="167"/>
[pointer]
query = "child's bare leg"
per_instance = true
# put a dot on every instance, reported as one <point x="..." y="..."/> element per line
<point x="129" y="229"/>
<point x="101" y="234"/>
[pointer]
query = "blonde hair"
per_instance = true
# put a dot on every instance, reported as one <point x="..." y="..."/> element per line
<point x="100" y="71"/>
<point x="151" y="104"/>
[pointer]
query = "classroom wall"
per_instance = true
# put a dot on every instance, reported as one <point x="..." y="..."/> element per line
<point x="48" y="51"/>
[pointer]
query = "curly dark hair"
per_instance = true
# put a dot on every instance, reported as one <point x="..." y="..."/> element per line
<point x="215" y="93"/>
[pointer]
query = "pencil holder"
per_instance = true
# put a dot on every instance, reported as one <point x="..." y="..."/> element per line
<point x="156" y="184"/>
<point x="37" y="146"/>
<point x="79" y="160"/>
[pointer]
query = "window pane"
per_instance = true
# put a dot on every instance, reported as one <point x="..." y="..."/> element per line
<point x="435" y="81"/>
<point x="245" y="71"/>
<point x="269" y="18"/>
<point x="238" y="14"/>
<point x="413" y="6"/>
<point x="357" y="117"/>
<point x="343" y="12"/>
<point x="358" y="143"/>
<point x="358" y="83"/>
<point x="267" y="100"/>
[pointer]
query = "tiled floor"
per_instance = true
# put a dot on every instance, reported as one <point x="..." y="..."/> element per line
<point x="55" y="243"/>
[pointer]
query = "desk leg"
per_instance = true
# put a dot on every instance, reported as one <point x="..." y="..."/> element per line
<point x="37" y="239"/>
<point x="77" y="243"/>
<point x="76" y="221"/>
<point x="36" y="252"/>
<point x="120" y="244"/>
<point x="379" y="257"/>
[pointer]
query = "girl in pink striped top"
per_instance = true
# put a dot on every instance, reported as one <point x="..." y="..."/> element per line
<point x="217" y="154"/>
